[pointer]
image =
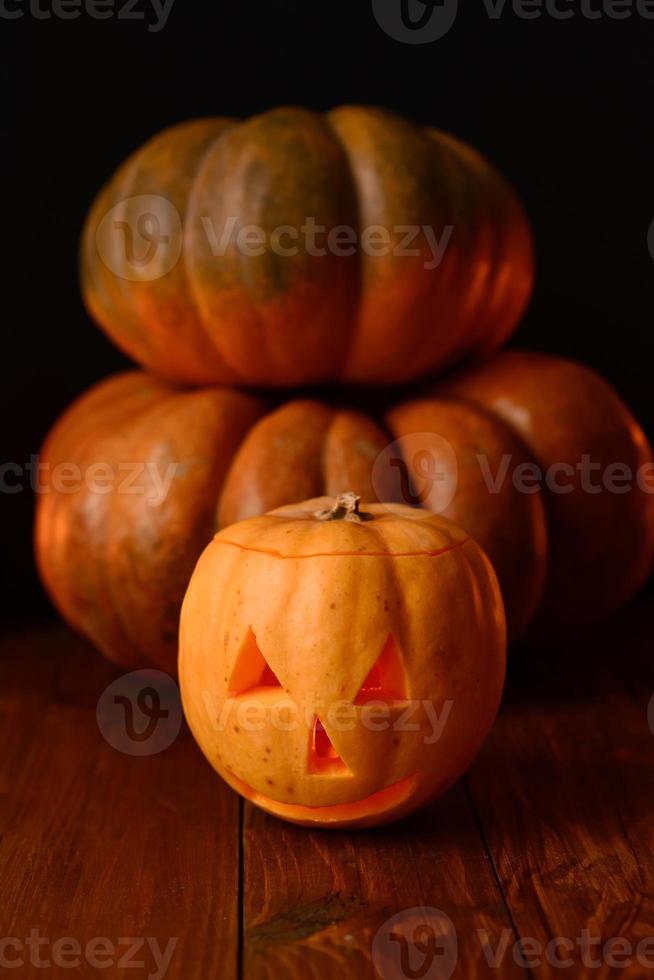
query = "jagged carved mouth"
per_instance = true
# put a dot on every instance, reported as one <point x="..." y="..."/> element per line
<point x="373" y="805"/>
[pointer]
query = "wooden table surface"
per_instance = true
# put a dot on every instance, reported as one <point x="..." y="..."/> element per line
<point x="153" y="867"/>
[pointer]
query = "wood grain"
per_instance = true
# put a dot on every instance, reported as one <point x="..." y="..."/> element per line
<point x="314" y="900"/>
<point x="565" y="792"/>
<point x="550" y="834"/>
<point x="95" y="843"/>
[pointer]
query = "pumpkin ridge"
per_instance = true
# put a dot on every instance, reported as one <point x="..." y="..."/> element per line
<point x="74" y="433"/>
<point x="189" y="289"/>
<point x="150" y="419"/>
<point x="214" y="340"/>
<point x="357" y="301"/>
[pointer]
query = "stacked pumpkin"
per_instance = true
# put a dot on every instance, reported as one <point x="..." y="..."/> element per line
<point x="416" y="256"/>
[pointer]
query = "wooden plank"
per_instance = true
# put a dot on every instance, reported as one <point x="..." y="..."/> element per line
<point x="564" y="788"/>
<point x="315" y="900"/>
<point x="97" y="843"/>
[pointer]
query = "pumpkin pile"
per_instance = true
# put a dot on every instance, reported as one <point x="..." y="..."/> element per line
<point x="233" y="260"/>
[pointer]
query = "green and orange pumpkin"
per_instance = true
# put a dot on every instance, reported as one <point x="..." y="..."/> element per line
<point x="367" y="300"/>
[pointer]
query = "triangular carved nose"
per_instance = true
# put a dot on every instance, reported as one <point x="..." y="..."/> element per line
<point x="386" y="680"/>
<point x="251" y="669"/>
<point x="324" y="760"/>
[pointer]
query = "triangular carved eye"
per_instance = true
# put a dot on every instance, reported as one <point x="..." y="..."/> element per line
<point x="386" y="680"/>
<point x="324" y="760"/>
<point x="251" y="669"/>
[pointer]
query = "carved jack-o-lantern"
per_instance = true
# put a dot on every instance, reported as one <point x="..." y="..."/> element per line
<point x="342" y="666"/>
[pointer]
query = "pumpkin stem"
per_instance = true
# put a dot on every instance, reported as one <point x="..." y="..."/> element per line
<point x="344" y="508"/>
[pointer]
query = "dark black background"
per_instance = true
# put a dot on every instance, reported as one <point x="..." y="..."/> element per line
<point x="564" y="108"/>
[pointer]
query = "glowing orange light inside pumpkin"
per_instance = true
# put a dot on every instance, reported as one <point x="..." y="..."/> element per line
<point x="251" y="669"/>
<point x="385" y="681"/>
<point x="323" y="757"/>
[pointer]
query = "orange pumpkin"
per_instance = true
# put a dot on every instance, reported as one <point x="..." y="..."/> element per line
<point x="341" y="666"/>
<point x="303" y="449"/>
<point x="202" y="257"/>
<point x="460" y="462"/>
<point x="155" y="471"/>
<point x="597" y="473"/>
<point x="132" y="475"/>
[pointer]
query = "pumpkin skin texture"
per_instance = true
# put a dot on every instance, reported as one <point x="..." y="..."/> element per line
<point x="296" y="619"/>
<point x="510" y="526"/>
<point x="303" y="449"/>
<point x="601" y="543"/>
<point x="373" y="316"/>
<point x="116" y="564"/>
